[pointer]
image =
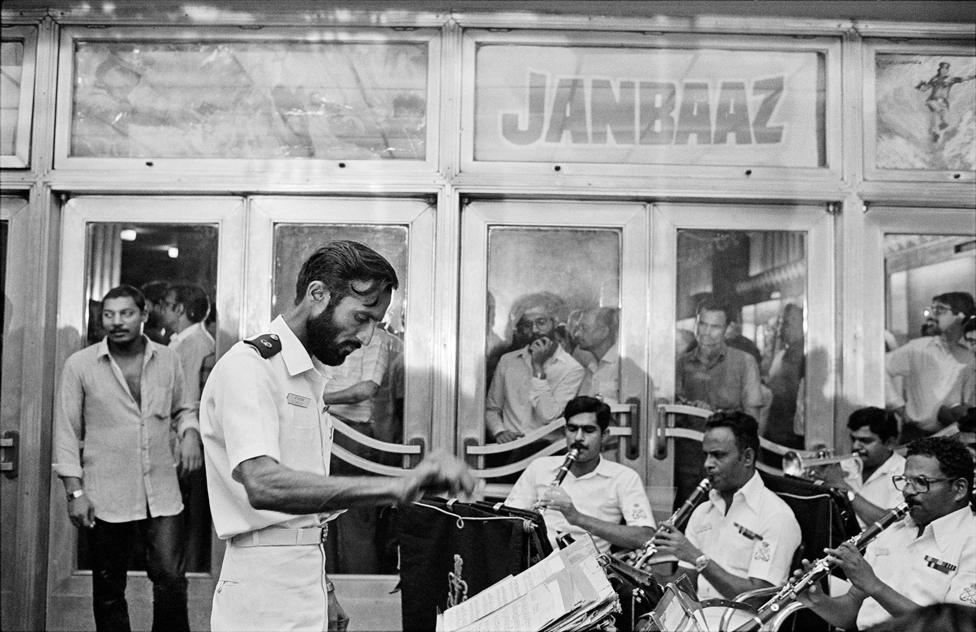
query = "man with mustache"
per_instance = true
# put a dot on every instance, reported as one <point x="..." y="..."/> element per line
<point x="927" y="557"/>
<point x="120" y="399"/>
<point x="874" y="436"/>
<point x="597" y="495"/>
<point x="532" y="384"/>
<point x="267" y="440"/>
<point x="744" y="536"/>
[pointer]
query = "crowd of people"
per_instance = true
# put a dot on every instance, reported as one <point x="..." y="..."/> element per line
<point x="145" y="407"/>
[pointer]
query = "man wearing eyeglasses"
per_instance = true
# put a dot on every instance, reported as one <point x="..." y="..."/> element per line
<point x="928" y="557"/>
<point x="533" y="384"/>
<point x="938" y="372"/>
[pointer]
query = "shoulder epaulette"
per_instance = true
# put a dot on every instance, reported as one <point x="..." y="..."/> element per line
<point x="267" y="345"/>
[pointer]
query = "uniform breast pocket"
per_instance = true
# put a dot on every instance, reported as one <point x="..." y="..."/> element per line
<point x="301" y="439"/>
<point x="740" y="549"/>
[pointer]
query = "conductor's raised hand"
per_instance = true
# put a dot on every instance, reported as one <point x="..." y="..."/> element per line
<point x="440" y="472"/>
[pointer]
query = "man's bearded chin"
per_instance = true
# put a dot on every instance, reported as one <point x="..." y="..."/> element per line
<point x="322" y="336"/>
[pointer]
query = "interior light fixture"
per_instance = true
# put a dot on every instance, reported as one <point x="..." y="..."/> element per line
<point x="128" y="234"/>
<point x="173" y="252"/>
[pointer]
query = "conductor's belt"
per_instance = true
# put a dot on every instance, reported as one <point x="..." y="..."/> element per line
<point x="273" y="536"/>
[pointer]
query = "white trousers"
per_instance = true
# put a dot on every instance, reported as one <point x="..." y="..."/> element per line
<point x="271" y="588"/>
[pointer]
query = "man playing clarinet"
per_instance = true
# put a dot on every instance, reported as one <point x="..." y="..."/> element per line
<point x="744" y="536"/>
<point x="928" y="557"/>
<point x="596" y="495"/>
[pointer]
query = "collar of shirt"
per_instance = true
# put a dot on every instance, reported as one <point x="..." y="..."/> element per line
<point x="601" y="469"/>
<point x="947" y="529"/>
<point x="749" y="493"/>
<point x="150" y="348"/>
<point x="943" y="344"/>
<point x="558" y="356"/>
<point x="612" y="355"/>
<point x="695" y="355"/>
<point x="296" y="357"/>
<point x="894" y="464"/>
<point x="179" y="337"/>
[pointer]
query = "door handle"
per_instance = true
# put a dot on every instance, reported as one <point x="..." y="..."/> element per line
<point x="9" y="453"/>
<point x="633" y="446"/>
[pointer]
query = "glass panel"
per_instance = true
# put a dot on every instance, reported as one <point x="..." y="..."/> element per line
<point x="11" y="72"/>
<point x="745" y="349"/>
<point x="649" y="106"/>
<point x="163" y="260"/>
<point x="361" y="539"/>
<point x="917" y="269"/>
<point x="182" y="99"/>
<point x="925" y="112"/>
<point x="561" y="285"/>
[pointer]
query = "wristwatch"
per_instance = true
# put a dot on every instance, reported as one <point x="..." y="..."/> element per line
<point x="701" y="562"/>
<point x="78" y="493"/>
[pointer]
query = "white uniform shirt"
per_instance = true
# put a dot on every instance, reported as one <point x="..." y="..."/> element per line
<point x="612" y="492"/>
<point x="878" y="489"/>
<point x="938" y="566"/>
<point x="254" y="407"/>
<point x="602" y="378"/>
<point x="756" y="538"/>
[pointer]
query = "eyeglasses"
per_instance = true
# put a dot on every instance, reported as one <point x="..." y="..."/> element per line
<point x="919" y="483"/>
<point x="934" y="311"/>
<point x="541" y="322"/>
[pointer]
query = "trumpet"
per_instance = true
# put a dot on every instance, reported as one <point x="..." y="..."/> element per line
<point x="800" y="464"/>
<point x="677" y="519"/>
<point x="819" y="569"/>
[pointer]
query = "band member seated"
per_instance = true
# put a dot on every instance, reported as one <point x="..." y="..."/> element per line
<point x="874" y="437"/>
<point x="744" y="536"/>
<point x="928" y="557"/>
<point x="596" y="495"/>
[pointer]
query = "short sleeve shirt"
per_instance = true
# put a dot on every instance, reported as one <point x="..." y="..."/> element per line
<point x="252" y="407"/>
<point x="756" y="538"/>
<point x="612" y="492"/>
<point x="938" y="566"/>
<point x="878" y="489"/>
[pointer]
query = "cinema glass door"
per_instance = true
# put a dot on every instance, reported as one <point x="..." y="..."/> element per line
<point x="650" y="264"/>
<point x="107" y="241"/>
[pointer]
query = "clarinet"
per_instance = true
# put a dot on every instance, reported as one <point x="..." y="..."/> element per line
<point x="571" y="457"/>
<point x="677" y="519"/>
<point x="819" y="569"/>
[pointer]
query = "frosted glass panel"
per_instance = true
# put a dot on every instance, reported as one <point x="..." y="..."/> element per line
<point x="11" y="73"/>
<point x="182" y="99"/>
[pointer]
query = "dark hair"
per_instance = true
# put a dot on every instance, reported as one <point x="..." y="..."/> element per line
<point x="743" y="427"/>
<point x="954" y="459"/>
<point x="968" y="421"/>
<point x="958" y="302"/>
<point x="194" y="300"/>
<point x="155" y="291"/>
<point x="339" y="263"/>
<point x="121" y="291"/>
<point x="881" y="422"/>
<point x="713" y="305"/>
<point x="585" y="404"/>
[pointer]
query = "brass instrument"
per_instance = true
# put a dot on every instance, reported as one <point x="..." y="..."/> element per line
<point x="677" y="519"/>
<point x="818" y="570"/>
<point x="799" y="464"/>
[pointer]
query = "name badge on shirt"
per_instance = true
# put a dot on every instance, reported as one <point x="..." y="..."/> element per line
<point x="939" y="565"/>
<point x="752" y="535"/>
<point x="298" y="400"/>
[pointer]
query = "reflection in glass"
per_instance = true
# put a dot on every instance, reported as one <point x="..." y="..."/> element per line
<point x="11" y="71"/>
<point x="365" y="392"/>
<point x="559" y="284"/>
<point x="918" y="267"/>
<point x="758" y="279"/>
<point x="142" y="255"/>
<point x="258" y="99"/>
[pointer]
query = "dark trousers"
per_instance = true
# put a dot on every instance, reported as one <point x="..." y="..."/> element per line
<point x="111" y="546"/>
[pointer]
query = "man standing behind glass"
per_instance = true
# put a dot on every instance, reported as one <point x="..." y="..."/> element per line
<point x="939" y="371"/>
<point x="532" y="385"/>
<point x="121" y="397"/>
<point x="597" y="333"/>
